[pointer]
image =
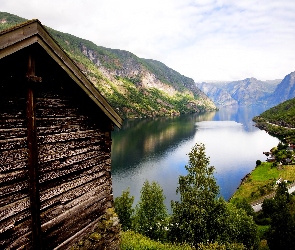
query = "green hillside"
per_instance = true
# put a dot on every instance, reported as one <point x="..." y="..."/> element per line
<point x="279" y="120"/>
<point x="135" y="87"/>
<point x="8" y="20"/>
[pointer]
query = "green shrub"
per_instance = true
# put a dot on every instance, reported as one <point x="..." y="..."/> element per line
<point x="135" y="241"/>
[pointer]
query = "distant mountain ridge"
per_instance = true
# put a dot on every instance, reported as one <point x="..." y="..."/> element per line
<point x="135" y="87"/>
<point x="247" y="92"/>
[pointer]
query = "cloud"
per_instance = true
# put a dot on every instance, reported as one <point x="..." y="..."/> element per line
<point x="203" y="39"/>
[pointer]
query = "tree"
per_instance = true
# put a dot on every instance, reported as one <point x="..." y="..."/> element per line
<point x="282" y="226"/>
<point x="258" y="163"/>
<point x="198" y="193"/>
<point x="200" y="216"/>
<point x="151" y="213"/>
<point x="282" y="146"/>
<point x="232" y="225"/>
<point x="123" y="207"/>
<point x="243" y="204"/>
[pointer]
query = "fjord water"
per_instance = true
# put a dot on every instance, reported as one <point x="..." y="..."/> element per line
<point x="156" y="149"/>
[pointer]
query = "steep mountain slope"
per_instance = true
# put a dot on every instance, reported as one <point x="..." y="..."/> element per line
<point x="216" y="93"/>
<point x="135" y="87"/>
<point x="247" y="92"/>
<point x="285" y="90"/>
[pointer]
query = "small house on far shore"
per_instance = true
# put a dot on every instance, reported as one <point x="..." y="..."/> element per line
<point x="270" y="157"/>
<point x="55" y="147"/>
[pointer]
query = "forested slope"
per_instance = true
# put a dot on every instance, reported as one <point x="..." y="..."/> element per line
<point x="279" y="120"/>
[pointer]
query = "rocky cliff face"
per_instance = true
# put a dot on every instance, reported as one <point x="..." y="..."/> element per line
<point x="126" y="65"/>
<point x="147" y="74"/>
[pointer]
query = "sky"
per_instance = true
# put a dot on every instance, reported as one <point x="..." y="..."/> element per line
<point x="207" y="40"/>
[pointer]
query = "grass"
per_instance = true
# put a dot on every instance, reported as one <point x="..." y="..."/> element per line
<point x="288" y="173"/>
<point x="134" y="241"/>
<point x="262" y="181"/>
<point x="264" y="172"/>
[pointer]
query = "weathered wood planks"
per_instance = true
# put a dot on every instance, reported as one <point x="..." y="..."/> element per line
<point x="15" y="217"/>
<point x="74" y="167"/>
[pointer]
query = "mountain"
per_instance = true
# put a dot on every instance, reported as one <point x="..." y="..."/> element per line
<point x="250" y="91"/>
<point x="285" y="90"/>
<point x="247" y="92"/>
<point x="134" y="86"/>
<point x="217" y="94"/>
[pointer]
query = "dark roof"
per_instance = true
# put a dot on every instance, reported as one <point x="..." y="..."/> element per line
<point x="31" y="32"/>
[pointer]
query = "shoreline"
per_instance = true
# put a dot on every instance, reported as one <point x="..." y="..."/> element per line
<point x="255" y="190"/>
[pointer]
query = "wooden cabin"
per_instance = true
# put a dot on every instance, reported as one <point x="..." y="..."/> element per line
<point x="55" y="147"/>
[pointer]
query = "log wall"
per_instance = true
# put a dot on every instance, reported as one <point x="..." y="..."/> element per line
<point x="15" y="217"/>
<point x="74" y="166"/>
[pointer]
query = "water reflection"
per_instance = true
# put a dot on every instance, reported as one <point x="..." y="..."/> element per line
<point x="156" y="149"/>
<point x="239" y="114"/>
<point x="139" y="139"/>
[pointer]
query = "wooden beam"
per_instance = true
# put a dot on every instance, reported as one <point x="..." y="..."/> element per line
<point x="18" y="33"/>
<point x="33" y="157"/>
<point x="17" y="46"/>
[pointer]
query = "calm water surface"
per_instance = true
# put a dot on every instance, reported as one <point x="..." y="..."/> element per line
<point x="156" y="149"/>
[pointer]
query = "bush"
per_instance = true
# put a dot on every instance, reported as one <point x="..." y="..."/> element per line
<point x="135" y="241"/>
<point x="258" y="163"/>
